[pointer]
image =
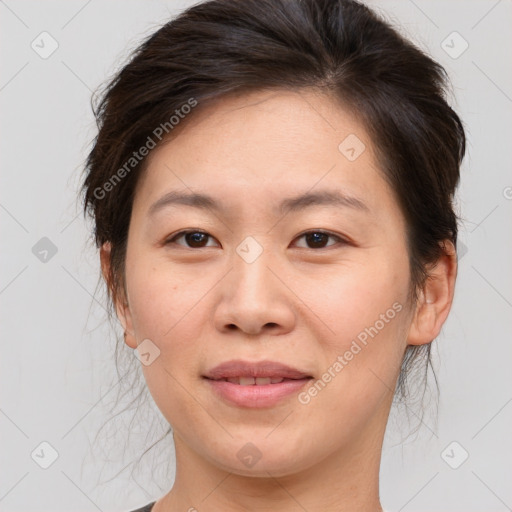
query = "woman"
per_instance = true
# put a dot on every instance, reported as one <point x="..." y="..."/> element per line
<point x="272" y="188"/>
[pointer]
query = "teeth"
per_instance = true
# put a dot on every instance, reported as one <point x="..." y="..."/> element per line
<point x="251" y="381"/>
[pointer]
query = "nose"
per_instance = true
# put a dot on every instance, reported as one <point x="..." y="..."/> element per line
<point x="254" y="300"/>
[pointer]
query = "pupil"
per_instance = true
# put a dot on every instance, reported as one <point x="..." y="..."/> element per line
<point x="195" y="239"/>
<point x="317" y="239"/>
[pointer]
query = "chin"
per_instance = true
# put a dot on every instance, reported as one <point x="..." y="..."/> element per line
<point x="262" y="458"/>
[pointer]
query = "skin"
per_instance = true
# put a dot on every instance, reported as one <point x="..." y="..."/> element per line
<point x="297" y="303"/>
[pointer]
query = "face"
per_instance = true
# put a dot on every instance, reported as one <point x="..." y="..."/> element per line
<point x="297" y="257"/>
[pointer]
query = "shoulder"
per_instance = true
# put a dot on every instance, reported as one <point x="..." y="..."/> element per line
<point x="146" y="508"/>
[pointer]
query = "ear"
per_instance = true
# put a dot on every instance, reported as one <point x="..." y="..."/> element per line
<point x="435" y="299"/>
<point x="118" y="296"/>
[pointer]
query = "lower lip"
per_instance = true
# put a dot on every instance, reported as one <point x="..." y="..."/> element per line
<point x="256" y="396"/>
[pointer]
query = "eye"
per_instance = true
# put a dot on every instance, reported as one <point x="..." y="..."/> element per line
<point x="319" y="239"/>
<point x="193" y="238"/>
<point x="196" y="239"/>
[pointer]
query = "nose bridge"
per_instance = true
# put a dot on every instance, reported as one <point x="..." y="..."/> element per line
<point x="252" y="297"/>
<point x="252" y="278"/>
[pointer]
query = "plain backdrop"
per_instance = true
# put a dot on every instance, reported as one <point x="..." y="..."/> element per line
<point x="58" y="379"/>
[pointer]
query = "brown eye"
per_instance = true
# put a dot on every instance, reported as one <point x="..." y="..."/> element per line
<point x="193" y="239"/>
<point x="319" y="239"/>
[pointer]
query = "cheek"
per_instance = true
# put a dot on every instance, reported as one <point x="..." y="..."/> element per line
<point x="361" y="358"/>
<point x="161" y="298"/>
<point x="365" y="309"/>
<point x="164" y="308"/>
<point x="352" y="299"/>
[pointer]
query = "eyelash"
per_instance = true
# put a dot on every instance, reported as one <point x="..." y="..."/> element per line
<point x="173" y="239"/>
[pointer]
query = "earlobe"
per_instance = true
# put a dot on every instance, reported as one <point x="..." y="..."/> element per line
<point x="435" y="299"/>
<point x="125" y="319"/>
<point x="117" y="297"/>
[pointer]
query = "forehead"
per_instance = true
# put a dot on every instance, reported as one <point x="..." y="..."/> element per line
<point x="287" y="123"/>
<point x="267" y="143"/>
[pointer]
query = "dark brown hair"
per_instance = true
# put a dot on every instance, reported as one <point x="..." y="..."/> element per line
<point x="341" y="47"/>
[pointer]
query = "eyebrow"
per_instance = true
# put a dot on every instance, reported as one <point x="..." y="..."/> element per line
<point x="292" y="204"/>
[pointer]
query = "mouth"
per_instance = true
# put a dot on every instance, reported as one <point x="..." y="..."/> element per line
<point x="255" y="384"/>
<point x="255" y="381"/>
<point x="260" y="373"/>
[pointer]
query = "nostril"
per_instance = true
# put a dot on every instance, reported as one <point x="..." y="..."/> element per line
<point x="233" y="327"/>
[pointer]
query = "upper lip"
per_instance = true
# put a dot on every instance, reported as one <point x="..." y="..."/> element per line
<point x="239" y="368"/>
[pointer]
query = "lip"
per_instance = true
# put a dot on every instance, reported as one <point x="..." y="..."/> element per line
<point x="240" y="368"/>
<point x="255" y="396"/>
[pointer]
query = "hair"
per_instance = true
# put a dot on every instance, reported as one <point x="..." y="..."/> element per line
<point x="340" y="47"/>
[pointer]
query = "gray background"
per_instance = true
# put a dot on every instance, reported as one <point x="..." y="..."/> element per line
<point x="58" y="380"/>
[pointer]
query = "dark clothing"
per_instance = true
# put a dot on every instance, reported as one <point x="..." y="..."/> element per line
<point x="147" y="508"/>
